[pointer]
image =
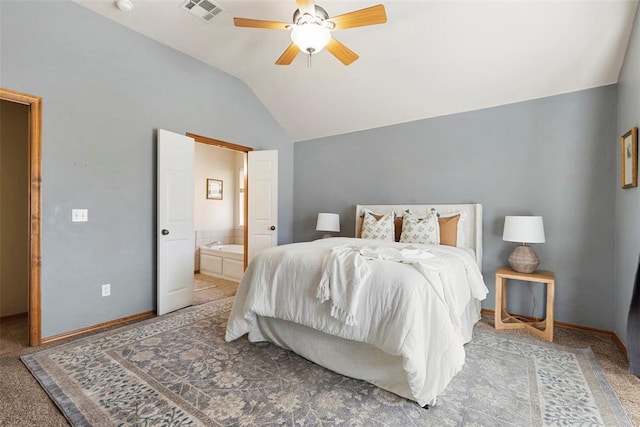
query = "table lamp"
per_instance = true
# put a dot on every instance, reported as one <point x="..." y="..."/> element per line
<point x="523" y="229"/>
<point x="328" y="222"/>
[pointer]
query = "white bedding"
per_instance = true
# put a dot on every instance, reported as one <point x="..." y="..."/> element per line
<point x="408" y="310"/>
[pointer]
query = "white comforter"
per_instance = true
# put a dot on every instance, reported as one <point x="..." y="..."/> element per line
<point x="411" y="310"/>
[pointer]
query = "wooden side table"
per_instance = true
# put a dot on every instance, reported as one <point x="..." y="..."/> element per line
<point x="504" y="320"/>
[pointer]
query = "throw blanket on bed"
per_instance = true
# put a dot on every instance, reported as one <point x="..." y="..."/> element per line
<point x="344" y="272"/>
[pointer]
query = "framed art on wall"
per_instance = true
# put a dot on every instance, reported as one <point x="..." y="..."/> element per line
<point x="629" y="159"/>
<point x="214" y="189"/>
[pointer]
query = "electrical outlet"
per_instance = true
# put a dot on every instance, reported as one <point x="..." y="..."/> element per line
<point x="79" y="215"/>
<point x="106" y="290"/>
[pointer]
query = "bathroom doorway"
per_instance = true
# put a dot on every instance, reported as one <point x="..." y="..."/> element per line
<point x="220" y="216"/>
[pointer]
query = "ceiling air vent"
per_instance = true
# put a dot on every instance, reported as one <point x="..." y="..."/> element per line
<point x="203" y="9"/>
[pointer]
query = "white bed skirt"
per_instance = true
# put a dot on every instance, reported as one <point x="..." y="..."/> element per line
<point x="350" y="358"/>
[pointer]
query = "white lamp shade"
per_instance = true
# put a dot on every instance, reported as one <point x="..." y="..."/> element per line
<point x="523" y="229"/>
<point x="328" y="222"/>
<point x="310" y="38"/>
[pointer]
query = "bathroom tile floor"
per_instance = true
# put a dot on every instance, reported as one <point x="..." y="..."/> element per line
<point x="209" y="288"/>
<point x="14" y="330"/>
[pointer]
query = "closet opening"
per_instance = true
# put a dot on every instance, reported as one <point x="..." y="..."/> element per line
<point x="20" y="192"/>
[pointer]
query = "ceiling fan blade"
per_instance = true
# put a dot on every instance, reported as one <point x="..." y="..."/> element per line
<point x="289" y="55"/>
<point x="340" y="51"/>
<point x="257" y="23"/>
<point x="306" y="6"/>
<point x="360" y="18"/>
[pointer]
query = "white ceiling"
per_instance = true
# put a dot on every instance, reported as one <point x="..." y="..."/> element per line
<point x="431" y="58"/>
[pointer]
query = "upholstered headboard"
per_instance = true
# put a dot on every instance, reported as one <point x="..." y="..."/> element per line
<point x="470" y="222"/>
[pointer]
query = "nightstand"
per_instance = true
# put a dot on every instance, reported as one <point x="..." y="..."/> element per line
<point x="504" y="320"/>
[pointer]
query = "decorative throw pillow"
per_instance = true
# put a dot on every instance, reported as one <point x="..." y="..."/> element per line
<point x="462" y="228"/>
<point x="397" y="225"/>
<point x="449" y="230"/>
<point x="425" y="230"/>
<point x="381" y="229"/>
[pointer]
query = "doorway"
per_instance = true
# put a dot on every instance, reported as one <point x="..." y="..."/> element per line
<point x="176" y="175"/>
<point x="218" y="221"/>
<point x="32" y="199"/>
<point x="220" y="215"/>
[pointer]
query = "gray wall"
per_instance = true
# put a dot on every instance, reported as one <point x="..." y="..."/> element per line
<point x="106" y="90"/>
<point x="552" y="157"/>
<point x="627" y="202"/>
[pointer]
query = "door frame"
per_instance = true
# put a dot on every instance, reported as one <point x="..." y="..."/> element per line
<point x="35" y="203"/>
<point x="245" y="150"/>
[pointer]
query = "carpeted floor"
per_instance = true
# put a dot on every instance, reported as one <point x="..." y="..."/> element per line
<point x="612" y="361"/>
<point x="24" y="403"/>
<point x="177" y="369"/>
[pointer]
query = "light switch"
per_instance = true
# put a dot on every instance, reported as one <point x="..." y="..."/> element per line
<point x="79" y="215"/>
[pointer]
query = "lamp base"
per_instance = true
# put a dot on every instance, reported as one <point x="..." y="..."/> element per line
<point x="326" y="235"/>
<point x="523" y="259"/>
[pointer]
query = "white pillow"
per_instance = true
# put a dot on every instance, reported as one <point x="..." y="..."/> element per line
<point x="425" y="230"/>
<point x="382" y="229"/>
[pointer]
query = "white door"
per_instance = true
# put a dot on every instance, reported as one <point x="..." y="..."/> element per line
<point x="175" y="252"/>
<point x="263" y="201"/>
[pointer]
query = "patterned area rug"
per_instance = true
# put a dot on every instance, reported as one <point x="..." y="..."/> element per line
<point x="177" y="370"/>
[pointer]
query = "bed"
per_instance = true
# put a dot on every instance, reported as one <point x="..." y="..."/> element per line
<point x="407" y="324"/>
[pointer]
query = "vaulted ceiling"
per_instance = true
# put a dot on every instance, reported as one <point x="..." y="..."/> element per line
<point x="431" y="58"/>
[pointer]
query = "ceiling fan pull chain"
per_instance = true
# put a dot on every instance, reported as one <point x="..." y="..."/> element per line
<point x="309" y="61"/>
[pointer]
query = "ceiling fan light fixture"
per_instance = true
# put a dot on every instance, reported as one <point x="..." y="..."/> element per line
<point x="312" y="27"/>
<point x="310" y="38"/>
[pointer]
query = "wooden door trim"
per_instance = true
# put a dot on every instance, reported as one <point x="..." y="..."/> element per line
<point x="245" y="150"/>
<point x="219" y="143"/>
<point x="35" y="203"/>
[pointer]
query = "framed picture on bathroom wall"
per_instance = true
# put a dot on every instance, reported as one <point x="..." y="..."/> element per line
<point x="214" y="189"/>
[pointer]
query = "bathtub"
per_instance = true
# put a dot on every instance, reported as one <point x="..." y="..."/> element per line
<point x="225" y="261"/>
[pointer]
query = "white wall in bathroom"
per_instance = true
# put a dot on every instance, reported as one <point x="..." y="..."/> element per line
<point x="214" y="163"/>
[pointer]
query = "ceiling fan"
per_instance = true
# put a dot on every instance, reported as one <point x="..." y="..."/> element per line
<point x="311" y="30"/>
